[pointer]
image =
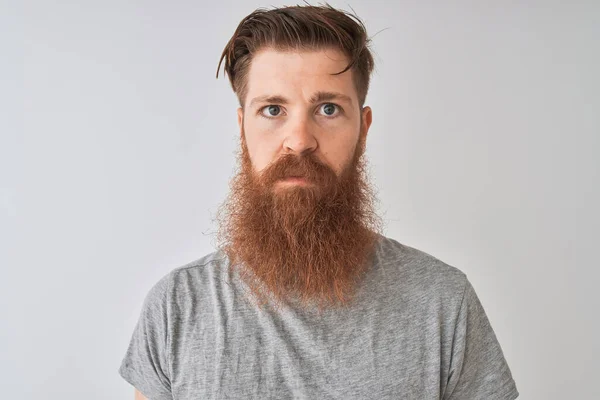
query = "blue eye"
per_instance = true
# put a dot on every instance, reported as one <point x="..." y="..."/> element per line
<point x="329" y="109"/>
<point x="272" y="111"/>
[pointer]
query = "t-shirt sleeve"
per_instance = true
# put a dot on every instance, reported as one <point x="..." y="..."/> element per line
<point x="478" y="369"/>
<point x="146" y="362"/>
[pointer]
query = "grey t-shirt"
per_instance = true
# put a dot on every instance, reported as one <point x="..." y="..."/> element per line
<point x="417" y="330"/>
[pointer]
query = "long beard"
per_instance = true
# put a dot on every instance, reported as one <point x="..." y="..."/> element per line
<point x="308" y="243"/>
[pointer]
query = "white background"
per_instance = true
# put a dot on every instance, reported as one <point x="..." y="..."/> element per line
<point x="117" y="145"/>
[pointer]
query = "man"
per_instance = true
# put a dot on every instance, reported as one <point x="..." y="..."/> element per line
<point x="305" y="298"/>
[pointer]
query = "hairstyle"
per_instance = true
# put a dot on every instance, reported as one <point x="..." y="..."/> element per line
<point x="298" y="28"/>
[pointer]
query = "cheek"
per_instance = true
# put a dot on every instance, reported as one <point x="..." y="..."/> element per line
<point x="339" y="154"/>
<point x="263" y="143"/>
<point x="261" y="154"/>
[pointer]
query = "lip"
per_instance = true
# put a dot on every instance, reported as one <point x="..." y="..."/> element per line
<point x="295" y="180"/>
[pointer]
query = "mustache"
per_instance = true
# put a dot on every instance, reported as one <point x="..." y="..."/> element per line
<point x="308" y="167"/>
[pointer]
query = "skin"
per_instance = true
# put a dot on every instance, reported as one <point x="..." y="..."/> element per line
<point x="328" y="127"/>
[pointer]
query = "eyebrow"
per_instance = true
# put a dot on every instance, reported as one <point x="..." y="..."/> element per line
<point x="315" y="98"/>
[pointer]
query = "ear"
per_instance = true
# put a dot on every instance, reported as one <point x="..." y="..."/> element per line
<point x="240" y="118"/>
<point x="367" y="118"/>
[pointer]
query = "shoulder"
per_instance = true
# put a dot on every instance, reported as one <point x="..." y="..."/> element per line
<point x="193" y="277"/>
<point x="419" y="270"/>
<point x="212" y="263"/>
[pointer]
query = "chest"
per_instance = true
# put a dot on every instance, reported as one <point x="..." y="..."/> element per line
<point x="289" y="356"/>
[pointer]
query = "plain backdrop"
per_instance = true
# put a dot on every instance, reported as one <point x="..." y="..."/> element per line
<point x="117" y="146"/>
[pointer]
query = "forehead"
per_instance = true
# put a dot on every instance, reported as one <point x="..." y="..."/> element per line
<point x="299" y="74"/>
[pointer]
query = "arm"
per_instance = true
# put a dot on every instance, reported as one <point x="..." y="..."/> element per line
<point x="145" y="364"/>
<point x="139" y="396"/>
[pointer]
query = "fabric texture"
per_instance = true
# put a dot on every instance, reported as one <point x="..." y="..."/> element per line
<point x="416" y="330"/>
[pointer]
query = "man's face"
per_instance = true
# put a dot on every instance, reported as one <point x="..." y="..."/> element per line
<point x="294" y="105"/>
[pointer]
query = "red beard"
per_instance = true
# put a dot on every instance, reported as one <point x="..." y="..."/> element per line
<point x="311" y="243"/>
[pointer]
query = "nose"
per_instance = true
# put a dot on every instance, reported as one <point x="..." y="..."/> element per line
<point x="300" y="139"/>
